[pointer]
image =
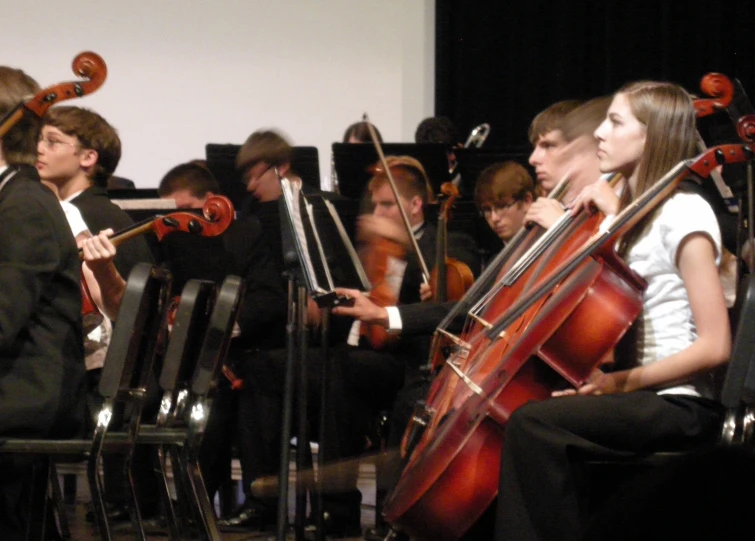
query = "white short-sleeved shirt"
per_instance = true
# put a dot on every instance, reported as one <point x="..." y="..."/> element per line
<point x="667" y="326"/>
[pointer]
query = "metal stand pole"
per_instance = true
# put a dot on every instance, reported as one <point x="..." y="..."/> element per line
<point x="325" y="347"/>
<point x="303" y="452"/>
<point x="288" y="399"/>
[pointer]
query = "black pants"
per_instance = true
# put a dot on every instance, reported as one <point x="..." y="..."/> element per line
<point x="359" y="383"/>
<point x="546" y="444"/>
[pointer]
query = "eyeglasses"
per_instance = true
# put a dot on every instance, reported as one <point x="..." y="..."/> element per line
<point x="51" y="144"/>
<point x="498" y="208"/>
<point x="246" y="178"/>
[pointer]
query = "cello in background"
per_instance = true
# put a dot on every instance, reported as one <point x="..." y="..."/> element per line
<point x="93" y="69"/>
<point x="89" y="65"/>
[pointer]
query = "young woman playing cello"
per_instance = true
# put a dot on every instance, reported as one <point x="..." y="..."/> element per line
<point x="664" y="399"/>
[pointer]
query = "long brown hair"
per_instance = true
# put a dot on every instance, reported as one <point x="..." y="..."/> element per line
<point x="668" y="114"/>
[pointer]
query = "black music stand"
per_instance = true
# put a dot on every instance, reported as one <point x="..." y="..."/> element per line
<point x="352" y="162"/>
<point x="132" y="193"/>
<point x="221" y="161"/>
<point x="472" y="161"/>
<point x="314" y="269"/>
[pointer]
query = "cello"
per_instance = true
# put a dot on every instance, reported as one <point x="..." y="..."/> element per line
<point x="217" y="215"/>
<point x="88" y="65"/>
<point x="93" y="69"/>
<point x="460" y="457"/>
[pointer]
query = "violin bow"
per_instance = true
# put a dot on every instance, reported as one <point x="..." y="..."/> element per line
<point x="392" y="182"/>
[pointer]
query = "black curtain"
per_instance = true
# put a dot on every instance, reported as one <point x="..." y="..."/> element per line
<point x="503" y="62"/>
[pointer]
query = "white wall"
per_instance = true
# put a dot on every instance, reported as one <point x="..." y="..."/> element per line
<point x="182" y="73"/>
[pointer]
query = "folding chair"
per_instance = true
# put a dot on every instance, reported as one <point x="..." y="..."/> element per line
<point x="128" y="362"/>
<point x="179" y="433"/>
<point x="179" y="363"/>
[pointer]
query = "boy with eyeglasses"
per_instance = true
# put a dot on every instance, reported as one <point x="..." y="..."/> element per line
<point x="77" y="151"/>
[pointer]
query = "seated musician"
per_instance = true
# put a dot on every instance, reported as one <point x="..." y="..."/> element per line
<point x="264" y="153"/>
<point x="440" y="130"/>
<point x="242" y="250"/>
<point x="359" y="132"/>
<point x="78" y="151"/>
<point x="361" y="379"/>
<point x="503" y="193"/>
<point x="563" y="146"/>
<point x="553" y="156"/>
<point x="663" y="399"/>
<point x="42" y="382"/>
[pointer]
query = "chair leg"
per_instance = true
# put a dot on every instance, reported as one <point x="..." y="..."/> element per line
<point x="97" y="491"/>
<point x="57" y="501"/>
<point x="203" y="508"/>
<point x="159" y="458"/>
<point x="134" y="509"/>
<point x="35" y="526"/>
<point x="187" y="510"/>
<point x="69" y="488"/>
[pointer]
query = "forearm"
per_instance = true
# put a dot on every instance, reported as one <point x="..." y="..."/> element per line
<point x="109" y="289"/>
<point x="701" y="357"/>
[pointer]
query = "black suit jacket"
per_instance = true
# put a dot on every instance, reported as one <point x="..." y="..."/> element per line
<point x="419" y="320"/>
<point x="241" y="251"/>
<point x="42" y="372"/>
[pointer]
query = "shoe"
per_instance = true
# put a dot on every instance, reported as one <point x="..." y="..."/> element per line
<point x="114" y="512"/>
<point x="154" y="525"/>
<point x="380" y="533"/>
<point x="339" y="519"/>
<point x="157" y="525"/>
<point x="252" y="515"/>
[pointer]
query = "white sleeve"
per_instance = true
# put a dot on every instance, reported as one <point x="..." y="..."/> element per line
<point x="394" y="319"/>
<point x="75" y="221"/>
<point x="685" y="214"/>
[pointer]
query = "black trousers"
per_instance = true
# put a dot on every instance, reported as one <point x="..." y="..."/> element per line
<point x="359" y="383"/>
<point x="546" y="444"/>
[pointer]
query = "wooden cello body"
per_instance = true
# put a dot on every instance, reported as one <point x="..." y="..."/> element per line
<point x="452" y="475"/>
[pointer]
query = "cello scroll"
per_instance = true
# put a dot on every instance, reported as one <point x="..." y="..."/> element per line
<point x="217" y="211"/>
<point x="721" y="90"/>
<point x="89" y="65"/>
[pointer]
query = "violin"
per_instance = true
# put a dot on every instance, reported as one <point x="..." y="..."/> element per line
<point x="88" y="65"/>
<point x="377" y="258"/>
<point x="451" y="278"/>
<point x="217" y="215"/>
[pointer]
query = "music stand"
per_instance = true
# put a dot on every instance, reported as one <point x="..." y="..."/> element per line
<point x="314" y="270"/>
<point x="472" y="161"/>
<point x="324" y="266"/>
<point x="221" y="161"/>
<point x="353" y="160"/>
<point x="132" y="193"/>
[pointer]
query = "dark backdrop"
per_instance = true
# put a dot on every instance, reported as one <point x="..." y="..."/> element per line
<point x="503" y="61"/>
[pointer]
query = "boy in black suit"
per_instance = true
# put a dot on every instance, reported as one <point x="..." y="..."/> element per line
<point x="41" y="345"/>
